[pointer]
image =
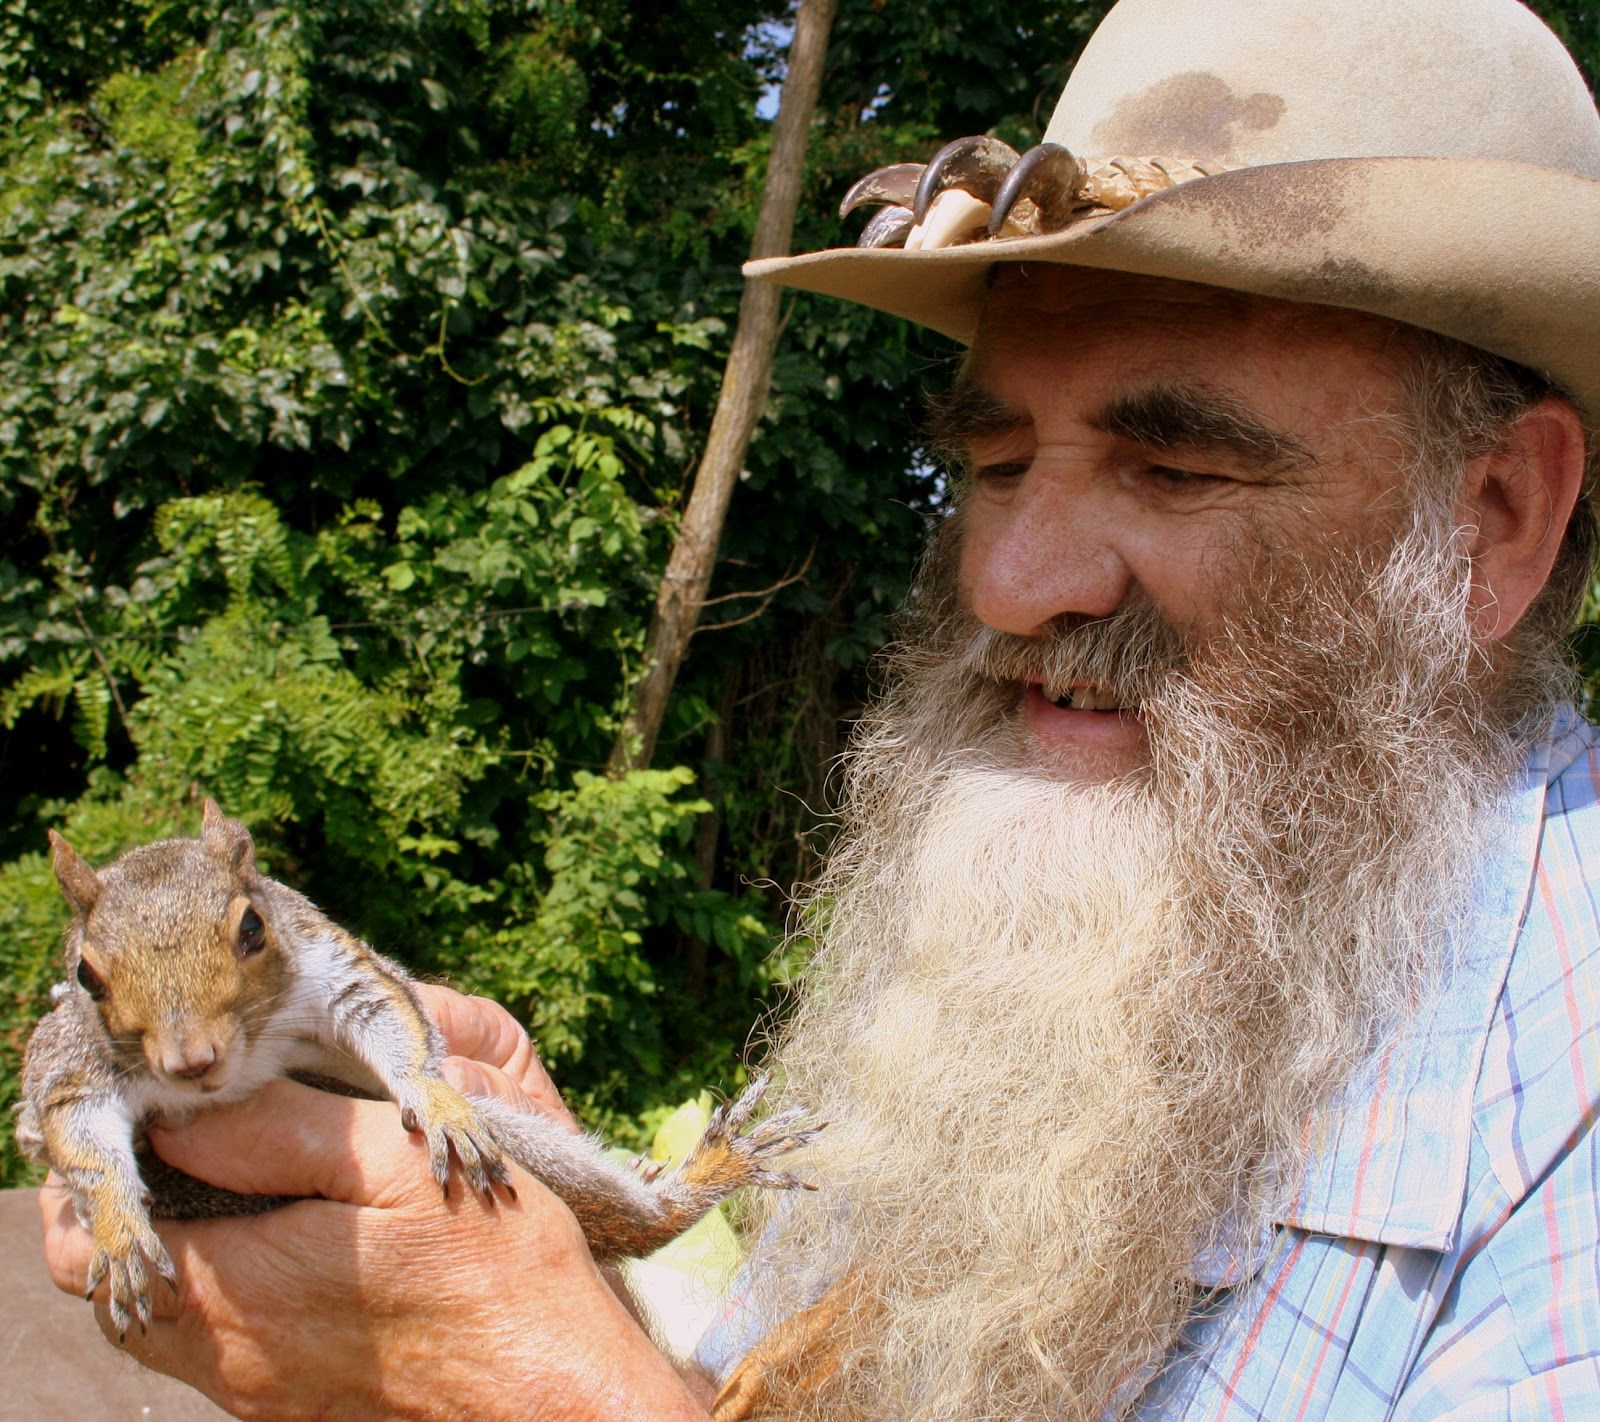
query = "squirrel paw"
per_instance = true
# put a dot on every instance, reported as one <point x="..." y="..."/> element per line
<point x="732" y="1155"/>
<point x="451" y="1123"/>
<point x="122" y="1248"/>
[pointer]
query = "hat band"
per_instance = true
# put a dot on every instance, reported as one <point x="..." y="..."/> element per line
<point x="978" y="188"/>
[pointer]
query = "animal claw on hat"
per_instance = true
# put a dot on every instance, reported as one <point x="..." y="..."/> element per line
<point x="1047" y="175"/>
<point x="889" y="227"/>
<point x="1043" y="191"/>
<point x="977" y="163"/>
<point x="895" y="184"/>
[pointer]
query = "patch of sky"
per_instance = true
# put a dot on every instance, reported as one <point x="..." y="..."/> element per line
<point x="769" y="41"/>
<point x="882" y="97"/>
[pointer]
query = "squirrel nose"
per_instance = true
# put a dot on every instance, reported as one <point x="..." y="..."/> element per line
<point x="191" y="1061"/>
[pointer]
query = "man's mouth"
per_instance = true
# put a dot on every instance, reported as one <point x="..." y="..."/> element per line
<point x="1086" y="730"/>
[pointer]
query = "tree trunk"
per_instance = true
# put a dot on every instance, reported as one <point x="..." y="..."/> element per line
<point x="745" y="380"/>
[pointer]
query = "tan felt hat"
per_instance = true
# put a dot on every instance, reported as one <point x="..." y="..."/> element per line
<point x="1432" y="161"/>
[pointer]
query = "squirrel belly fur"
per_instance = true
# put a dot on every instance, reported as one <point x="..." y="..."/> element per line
<point x="192" y="980"/>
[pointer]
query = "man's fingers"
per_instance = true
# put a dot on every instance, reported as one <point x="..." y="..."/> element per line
<point x="479" y="1079"/>
<point x="67" y="1246"/>
<point x="482" y="1030"/>
<point x="169" y="1345"/>
<point x="472" y="1026"/>
<point x="473" y="1078"/>
<point x="292" y="1140"/>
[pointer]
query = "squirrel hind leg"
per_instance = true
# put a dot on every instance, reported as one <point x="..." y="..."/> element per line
<point x="619" y="1214"/>
<point x="625" y="1217"/>
<point x="728" y="1157"/>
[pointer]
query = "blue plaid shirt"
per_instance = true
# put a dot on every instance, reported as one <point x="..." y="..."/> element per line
<point x="1443" y="1259"/>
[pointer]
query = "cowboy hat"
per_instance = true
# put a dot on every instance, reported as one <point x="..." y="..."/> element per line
<point x="1433" y="161"/>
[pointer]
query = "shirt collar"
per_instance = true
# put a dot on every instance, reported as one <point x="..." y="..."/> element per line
<point x="1390" y="1153"/>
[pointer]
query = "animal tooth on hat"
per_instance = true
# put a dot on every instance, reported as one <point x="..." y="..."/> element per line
<point x="977" y="163"/>
<point x="955" y="216"/>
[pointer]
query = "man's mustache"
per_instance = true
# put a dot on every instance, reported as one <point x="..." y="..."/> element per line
<point x="1131" y="654"/>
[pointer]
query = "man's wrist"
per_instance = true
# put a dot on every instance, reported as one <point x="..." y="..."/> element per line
<point x="636" y="1390"/>
<point x="629" y="1379"/>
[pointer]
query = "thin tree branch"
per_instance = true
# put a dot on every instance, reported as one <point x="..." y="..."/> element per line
<point x="746" y="379"/>
<point x="105" y="666"/>
<point x="788" y="580"/>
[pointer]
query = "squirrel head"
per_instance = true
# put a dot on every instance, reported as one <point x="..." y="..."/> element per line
<point x="173" y="944"/>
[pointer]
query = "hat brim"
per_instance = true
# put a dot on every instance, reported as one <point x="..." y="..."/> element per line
<point x="1504" y="256"/>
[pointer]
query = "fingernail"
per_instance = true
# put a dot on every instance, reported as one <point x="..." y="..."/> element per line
<point x="463" y="1075"/>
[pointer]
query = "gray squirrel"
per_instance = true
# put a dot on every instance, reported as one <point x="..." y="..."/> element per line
<point x="193" y="980"/>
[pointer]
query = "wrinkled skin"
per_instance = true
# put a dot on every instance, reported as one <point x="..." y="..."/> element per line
<point x="381" y="1299"/>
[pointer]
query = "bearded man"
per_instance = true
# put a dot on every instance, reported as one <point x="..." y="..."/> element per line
<point x="1206" y="973"/>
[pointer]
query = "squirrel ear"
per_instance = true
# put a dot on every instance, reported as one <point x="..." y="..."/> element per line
<point x="77" y="879"/>
<point x="228" y="839"/>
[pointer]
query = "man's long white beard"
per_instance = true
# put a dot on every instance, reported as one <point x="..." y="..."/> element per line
<point x="1069" y="1038"/>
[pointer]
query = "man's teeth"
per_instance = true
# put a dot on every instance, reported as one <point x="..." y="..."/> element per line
<point x="1088" y="698"/>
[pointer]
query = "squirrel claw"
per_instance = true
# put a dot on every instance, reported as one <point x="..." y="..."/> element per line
<point x="97" y="1272"/>
<point x="732" y="1116"/>
<point x="779" y="1180"/>
<point x="452" y="1126"/>
<point x="121" y="1264"/>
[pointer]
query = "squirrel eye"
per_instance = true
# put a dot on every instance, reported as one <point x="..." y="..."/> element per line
<point x="90" y="981"/>
<point x="252" y="933"/>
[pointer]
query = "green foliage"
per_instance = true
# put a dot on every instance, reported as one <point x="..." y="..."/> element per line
<point x="355" y="357"/>
<point x="572" y="955"/>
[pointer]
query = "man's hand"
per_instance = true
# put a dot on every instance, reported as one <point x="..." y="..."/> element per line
<point x="380" y="1298"/>
<point x="491" y="1054"/>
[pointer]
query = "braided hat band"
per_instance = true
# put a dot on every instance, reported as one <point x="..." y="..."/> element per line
<point x="978" y="188"/>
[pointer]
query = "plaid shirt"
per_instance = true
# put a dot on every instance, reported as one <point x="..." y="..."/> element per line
<point x="1443" y="1259"/>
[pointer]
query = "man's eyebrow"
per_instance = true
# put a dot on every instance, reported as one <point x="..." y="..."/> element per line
<point x="963" y="413"/>
<point x="1193" y="417"/>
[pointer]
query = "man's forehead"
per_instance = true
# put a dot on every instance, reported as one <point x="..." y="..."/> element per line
<point x="1092" y="336"/>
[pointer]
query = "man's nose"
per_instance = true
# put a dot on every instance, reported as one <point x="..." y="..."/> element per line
<point x="1051" y="548"/>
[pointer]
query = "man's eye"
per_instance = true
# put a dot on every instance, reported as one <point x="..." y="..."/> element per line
<point x="1182" y="478"/>
<point x="992" y="472"/>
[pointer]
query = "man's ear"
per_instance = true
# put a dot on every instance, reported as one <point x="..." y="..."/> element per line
<point x="1516" y="501"/>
